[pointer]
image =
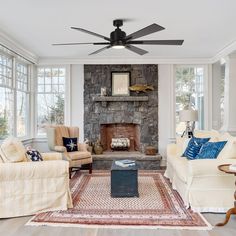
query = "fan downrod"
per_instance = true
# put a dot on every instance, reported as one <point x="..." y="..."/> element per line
<point x="118" y="23"/>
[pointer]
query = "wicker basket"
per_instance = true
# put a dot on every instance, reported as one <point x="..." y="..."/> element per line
<point x="150" y="150"/>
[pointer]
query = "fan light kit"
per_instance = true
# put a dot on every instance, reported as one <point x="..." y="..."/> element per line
<point x="119" y="40"/>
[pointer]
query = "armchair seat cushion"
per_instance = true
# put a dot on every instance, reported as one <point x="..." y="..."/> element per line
<point x="79" y="155"/>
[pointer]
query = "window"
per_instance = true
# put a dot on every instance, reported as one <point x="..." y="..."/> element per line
<point x="189" y="93"/>
<point x="6" y="97"/>
<point x="13" y="97"/>
<point x="50" y="97"/>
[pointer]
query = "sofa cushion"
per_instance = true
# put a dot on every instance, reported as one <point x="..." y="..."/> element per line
<point x="194" y="146"/>
<point x="79" y="155"/>
<point x="210" y="150"/>
<point x="229" y="150"/>
<point x="70" y="144"/>
<point x="12" y="150"/>
<point x="206" y="133"/>
<point x="34" y="155"/>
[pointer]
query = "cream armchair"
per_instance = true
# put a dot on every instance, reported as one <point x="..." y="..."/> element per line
<point x="76" y="159"/>
<point x="28" y="187"/>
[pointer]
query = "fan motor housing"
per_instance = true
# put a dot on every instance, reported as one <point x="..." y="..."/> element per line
<point x="118" y="37"/>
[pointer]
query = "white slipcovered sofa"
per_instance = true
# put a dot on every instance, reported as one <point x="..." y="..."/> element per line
<point x="201" y="185"/>
<point x="28" y="187"/>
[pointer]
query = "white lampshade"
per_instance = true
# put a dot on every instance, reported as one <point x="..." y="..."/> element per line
<point x="188" y="115"/>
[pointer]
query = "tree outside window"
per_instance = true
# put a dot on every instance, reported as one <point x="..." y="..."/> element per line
<point x="50" y="98"/>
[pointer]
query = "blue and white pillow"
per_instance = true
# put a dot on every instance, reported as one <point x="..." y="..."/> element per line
<point x="34" y="155"/>
<point x="194" y="147"/>
<point x="210" y="150"/>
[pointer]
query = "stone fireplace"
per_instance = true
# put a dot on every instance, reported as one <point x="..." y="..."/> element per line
<point x="134" y="117"/>
<point x="120" y="130"/>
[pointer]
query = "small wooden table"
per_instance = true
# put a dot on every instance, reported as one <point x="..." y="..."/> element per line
<point x="225" y="168"/>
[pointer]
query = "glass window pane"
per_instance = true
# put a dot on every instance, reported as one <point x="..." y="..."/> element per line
<point x="50" y="111"/>
<point x="40" y="88"/>
<point x="22" y="108"/>
<point x="40" y="80"/>
<point x="6" y="112"/>
<point x="50" y="100"/>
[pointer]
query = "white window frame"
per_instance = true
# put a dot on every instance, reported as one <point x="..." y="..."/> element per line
<point x="14" y="89"/>
<point x="67" y="105"/>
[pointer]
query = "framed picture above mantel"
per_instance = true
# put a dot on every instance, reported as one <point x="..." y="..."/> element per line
<point x="120" y="82"/>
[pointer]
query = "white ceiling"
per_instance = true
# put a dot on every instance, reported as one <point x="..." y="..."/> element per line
<point x="207" y="26"/>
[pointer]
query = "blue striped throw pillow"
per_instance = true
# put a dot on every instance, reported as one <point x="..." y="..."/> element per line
<point x="210" y="150"/>
<point x="194" y="147"/>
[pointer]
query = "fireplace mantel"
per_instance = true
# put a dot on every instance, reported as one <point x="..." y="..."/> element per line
<point x="120" y="98"/>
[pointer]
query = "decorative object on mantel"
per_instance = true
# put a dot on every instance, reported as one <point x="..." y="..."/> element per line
<point x="120" y="82"/>
<point x="150" y="150"/>
<point x="103" y="91"/>
<point x="141" y="88"/>
<point x="98" y="149"/>
<point x="187" y="116"/>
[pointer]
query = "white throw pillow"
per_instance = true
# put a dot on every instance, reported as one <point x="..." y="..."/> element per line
<point x="12" y="150"/>
<point x="229" y="150"/>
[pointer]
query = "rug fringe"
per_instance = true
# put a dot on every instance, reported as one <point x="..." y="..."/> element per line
<point x="30" y="223"/>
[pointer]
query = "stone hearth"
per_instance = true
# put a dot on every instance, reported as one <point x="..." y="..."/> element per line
<point x="144" y="162"/>
<point x="100" y="112"/>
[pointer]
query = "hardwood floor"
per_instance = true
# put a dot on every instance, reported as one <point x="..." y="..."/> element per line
<point x="16" y="227"/>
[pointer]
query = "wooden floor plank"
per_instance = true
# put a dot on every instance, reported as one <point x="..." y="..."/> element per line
<point x="16" y="227"/>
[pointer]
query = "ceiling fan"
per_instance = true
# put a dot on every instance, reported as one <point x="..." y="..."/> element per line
<point x="118" y="39"/>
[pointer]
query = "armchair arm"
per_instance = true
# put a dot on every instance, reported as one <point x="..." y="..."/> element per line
<point x="49" y="156"/>
<point x="60" y="149"/>
<point x="207" y="167"/>
<point x="33" y="170"/>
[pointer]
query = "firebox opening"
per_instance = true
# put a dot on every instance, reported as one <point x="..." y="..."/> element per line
<point x="118" y="133"/>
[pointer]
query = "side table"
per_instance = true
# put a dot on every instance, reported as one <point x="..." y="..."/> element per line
<point x="225" y="168"/>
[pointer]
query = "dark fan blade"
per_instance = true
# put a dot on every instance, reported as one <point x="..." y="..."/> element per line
<point x="136" y="50"/>
<point x="101" y="49"/>
<point x="92" y="33"/>
<point x="145" y="31"/>
<point x="65" y="44"/>
<point x="157" y="42"/>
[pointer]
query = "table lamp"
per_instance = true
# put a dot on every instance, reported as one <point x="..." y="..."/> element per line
<point x="188" y="116"/>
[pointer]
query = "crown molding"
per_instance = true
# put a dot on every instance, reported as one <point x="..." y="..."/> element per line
<point x="230" y="48"/>
<point x="16" y="47"/>
<point x="112" y="60"/>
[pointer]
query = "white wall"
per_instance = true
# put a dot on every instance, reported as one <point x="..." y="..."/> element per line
<point x="77" y="98"/>
<point x="166" y="108"/>
<point x="216" y="94"/>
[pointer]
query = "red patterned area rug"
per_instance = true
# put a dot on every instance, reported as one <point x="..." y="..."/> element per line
<point x="158" y="205"/>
